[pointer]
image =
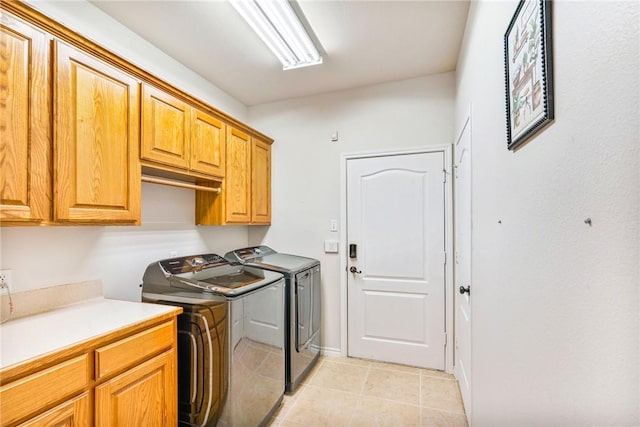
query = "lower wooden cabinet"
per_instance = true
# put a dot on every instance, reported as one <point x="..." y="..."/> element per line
<point x="126" y="379"/>
<point x="73" y="413"/>
<point x="44" y="387"/>
<point x="144" y="395"/>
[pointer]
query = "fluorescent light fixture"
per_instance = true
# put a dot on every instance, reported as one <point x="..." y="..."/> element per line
<point x="280" y="29"/>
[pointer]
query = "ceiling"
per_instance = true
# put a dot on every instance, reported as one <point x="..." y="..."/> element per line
<point x="364" y="43"/>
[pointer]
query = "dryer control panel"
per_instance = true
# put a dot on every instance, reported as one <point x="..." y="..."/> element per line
<point x="247" y="254"/>
<point x="192" y="263"/>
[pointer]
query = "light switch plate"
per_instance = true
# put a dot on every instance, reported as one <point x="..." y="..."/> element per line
<point x="331" y="246"/>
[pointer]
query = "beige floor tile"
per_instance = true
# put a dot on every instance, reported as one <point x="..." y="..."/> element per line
<point x="393" y="385"/>
<point x="350" y="360"/>
<point x="317" y="406"/>
<point x="439" y="374"/>
<point x="339" y="376"/>
<point x="379" y="397"/>
<point x="394" y="367"/>
<point x="312" y="392"/>
<point x="292" y="424"/>
<point x="373" y="412"/>
<point x="435" y="418"/>
<point x="441" y="394"/>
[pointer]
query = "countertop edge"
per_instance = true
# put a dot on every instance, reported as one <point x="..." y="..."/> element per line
<point x="132" y="317"/>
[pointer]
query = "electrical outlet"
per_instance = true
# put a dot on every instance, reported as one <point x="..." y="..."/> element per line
<point x="5" y="281"/>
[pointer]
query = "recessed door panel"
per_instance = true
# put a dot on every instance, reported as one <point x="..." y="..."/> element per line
<point x="165" y="128"/>
<point x="237" y="184"/>
<point x="101" y="126"/>
<point x="394" y="249"/>
<point x="207" y="144"/>
<point x="387" y="314"/>
<point x="25" y="122"/>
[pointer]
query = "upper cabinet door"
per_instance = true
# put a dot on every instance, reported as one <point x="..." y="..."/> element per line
<point x="96" y="140"/>
<point x="207" y="144"/>
<point x="25" y="142"/>
<point x="237" y="186"/>
<point x="165" y="128"/>
<point x="261" y="182"/>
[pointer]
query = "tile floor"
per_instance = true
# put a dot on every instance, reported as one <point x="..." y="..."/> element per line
<point x="347" y="392"/>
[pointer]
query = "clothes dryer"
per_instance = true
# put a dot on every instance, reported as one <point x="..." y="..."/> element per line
<point x="302" y="306"/>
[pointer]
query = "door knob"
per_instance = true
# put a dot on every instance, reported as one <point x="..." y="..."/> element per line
<point x="353" y="269"/>
<point x="463" y="290"/>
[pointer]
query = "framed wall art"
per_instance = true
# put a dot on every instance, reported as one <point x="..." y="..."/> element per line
<point x="528" y="71"/>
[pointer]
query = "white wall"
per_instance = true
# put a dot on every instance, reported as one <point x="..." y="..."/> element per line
<point x="48" y="256"/>
<point x="555" y="301"/>
<point x="306" y="164"/>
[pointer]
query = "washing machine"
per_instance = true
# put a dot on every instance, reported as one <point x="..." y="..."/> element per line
<point x="231" y="336"/>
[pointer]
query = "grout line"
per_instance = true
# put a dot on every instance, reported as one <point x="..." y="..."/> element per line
<point x="420" y="400"/>
<point x="366" y="378"/>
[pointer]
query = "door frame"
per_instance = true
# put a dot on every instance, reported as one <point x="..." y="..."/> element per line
<point x="447" y="151"/>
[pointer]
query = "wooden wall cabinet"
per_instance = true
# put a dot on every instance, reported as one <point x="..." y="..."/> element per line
<point x="260" y="182"/>
<point x="208" y="144"/>
<point x="77" y="162"/>
<point x="25" y="122"/>
<point x="79" y="125"/>
<point x="179" y="138"/>
<point x="165" y="128"/>
<point x="96" y="138"/>
<point x="246" y="190"/>
<point x="237" y="185"/>
<point x="125" y="379"/>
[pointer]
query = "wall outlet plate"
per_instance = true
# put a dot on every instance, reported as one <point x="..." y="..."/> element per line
<point x="5" y="281"/>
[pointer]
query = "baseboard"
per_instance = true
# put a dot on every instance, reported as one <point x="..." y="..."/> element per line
<point x="331" y="352"/>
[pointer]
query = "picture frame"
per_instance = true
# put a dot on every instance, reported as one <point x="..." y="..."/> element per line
<point x="528" y="71"/>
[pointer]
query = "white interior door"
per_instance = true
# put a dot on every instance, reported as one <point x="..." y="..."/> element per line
<point x="396" y="297"/>
<point x="462" y="267"/>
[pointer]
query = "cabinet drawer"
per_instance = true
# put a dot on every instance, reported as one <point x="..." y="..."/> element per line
<point x="29" y="395"/>
<point x="129" y="351"/>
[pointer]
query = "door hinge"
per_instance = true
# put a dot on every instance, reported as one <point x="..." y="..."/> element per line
<point x="446" y="339"/>
<point x="443" y="258"/>
<point x="444" y="172"/>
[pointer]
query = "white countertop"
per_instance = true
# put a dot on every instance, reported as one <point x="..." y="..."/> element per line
<point x="33" y="336"/>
